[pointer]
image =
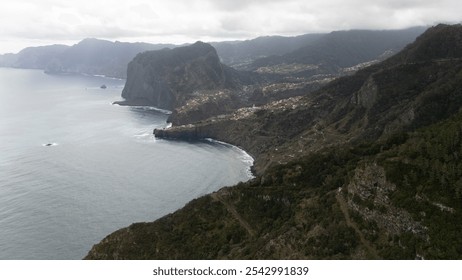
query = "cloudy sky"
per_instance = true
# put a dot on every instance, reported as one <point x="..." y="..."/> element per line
<point x="41" y="22"/>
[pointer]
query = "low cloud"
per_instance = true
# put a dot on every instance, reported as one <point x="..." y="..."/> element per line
<point x="191" y="20"/>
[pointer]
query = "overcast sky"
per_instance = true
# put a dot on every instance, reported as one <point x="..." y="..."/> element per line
<point x="41" y="22"/>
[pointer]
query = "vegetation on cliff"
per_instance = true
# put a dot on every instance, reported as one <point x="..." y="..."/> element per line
<point x="386" y="200"/>
<point x="383" y="200"/>
<point x="368" y="167"/>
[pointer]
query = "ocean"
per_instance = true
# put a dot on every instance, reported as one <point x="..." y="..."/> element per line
<point x="74" y="167"/>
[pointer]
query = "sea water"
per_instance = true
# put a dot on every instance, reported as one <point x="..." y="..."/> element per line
<point x="74" y="167"/>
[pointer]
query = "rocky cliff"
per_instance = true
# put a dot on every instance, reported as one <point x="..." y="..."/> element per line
<point x="367" y="167"/>
<point x="167" y="78"/>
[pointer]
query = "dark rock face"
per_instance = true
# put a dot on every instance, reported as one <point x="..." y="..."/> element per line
<point x="168" y="77"/>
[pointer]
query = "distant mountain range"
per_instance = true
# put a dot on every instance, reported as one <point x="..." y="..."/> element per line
<point x="90" y="56"/>
<point x="343" y="49"/>
<point x="239" y="54"/>
<point x="333" y="50"/>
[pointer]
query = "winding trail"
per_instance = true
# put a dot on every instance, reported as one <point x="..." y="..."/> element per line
<point x="231" y="209"/>
<point x="344" y="208"/>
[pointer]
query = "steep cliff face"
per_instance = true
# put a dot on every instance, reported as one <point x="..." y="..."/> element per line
<point x="168" y="77"/>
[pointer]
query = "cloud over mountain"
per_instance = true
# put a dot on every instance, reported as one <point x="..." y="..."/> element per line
<point x="187" y="21"/>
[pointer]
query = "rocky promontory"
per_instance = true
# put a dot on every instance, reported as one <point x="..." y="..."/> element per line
<point x="167" y="78"/>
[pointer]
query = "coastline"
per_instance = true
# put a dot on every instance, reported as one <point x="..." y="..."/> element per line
<point x="246" y="157"/>
<point x="142" y="106"/>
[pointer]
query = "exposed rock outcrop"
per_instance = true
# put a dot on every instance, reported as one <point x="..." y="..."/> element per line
<point x="369" y="195"/>
<point x="367" y="95"/>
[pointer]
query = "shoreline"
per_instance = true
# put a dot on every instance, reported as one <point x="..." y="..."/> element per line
<point x="248" y="158"/>
<point x="140" y="106"/>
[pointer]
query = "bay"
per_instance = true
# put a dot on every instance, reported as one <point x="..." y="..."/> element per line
<point x="74" y="167"/>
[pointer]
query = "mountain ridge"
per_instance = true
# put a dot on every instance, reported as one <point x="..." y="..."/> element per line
<point x="342" y="49"/>
<point x="111" y="58"/>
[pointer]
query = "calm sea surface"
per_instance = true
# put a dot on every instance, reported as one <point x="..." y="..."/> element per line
<point x="74" y="168"/>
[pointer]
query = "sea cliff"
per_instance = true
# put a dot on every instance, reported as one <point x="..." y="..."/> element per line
<point x="167" y="78"/>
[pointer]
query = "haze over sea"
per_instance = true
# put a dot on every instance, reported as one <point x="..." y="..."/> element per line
<point x="104" y="170"/>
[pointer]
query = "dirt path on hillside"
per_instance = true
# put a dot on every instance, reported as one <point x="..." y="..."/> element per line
<point x="344" y="207"/>
<point x="231" y="209"/>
